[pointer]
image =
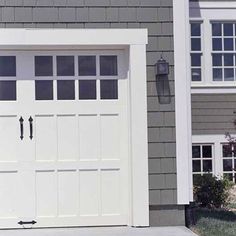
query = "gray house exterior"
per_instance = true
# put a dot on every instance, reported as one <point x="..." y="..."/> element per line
<point x="157" y="17"/>
<point x="213" y="113"/>
<point x="213" y="96"/>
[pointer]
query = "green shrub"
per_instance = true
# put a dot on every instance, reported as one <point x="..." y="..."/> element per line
<point x="209" y="191"/>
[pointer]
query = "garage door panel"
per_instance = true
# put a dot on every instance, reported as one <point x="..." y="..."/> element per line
<point x="67" y="193"/>
<point x="110" y="136"/>
<point x="105" y="220"/>
<point x="46" y="194"/>
<point x="89" y="192"/>
<point x="8" y="193"/>
<point x="26" y="195"/>
<point x="10" y="133"/>
<point x="67" y="137"/>
<point x="45" y="138"/>
<point x="110" y="191"/>
<point x="88" y="137"/>
<point x="72" y="170"/>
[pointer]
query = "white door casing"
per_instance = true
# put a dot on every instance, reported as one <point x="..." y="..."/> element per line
<point x="76" y="171"/>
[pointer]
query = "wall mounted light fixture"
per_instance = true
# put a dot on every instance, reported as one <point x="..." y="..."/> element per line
<point x="162" y="82"/>
<point x="162" y="67"/>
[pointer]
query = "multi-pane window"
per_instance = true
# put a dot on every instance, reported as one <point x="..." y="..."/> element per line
<point x="7" y="78"/>
<point x="202" y="155"/>
<point x="229" y="161"/>
<point x="196" y="51"/>
<point x="223" y="51"/>
<point x="93" y="76"/>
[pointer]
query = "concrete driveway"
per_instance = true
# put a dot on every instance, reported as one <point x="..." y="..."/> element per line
<point x="101" y="231"/>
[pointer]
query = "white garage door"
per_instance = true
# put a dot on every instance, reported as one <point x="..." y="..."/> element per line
<point x="63" y="139"/>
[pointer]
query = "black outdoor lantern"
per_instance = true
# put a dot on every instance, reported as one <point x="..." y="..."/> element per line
<point x="162" y="67"/>
<point x="162" y="81"/>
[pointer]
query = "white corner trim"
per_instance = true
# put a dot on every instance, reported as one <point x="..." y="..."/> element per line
<point x="135" y="40"/>
<point x="10" y="38"/>
<point x="182" y="101"/>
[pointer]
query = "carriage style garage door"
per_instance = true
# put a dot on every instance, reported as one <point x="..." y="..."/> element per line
<point x="63" y="138"/>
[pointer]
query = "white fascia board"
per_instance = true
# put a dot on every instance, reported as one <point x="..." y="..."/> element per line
<point x="182" y="101"/>
<point x="9" y="38"/>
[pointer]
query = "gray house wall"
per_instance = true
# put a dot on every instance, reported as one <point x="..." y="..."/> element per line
<point x="213" y="113"/>
<point x="157" y="17"/>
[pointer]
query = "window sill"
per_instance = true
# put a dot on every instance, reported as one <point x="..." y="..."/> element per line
<point x="213" y="88"/>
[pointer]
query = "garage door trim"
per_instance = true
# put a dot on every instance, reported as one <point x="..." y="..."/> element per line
<point x="134" y="42"/>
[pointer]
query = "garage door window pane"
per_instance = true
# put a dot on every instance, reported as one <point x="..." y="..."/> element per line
<point x="7" y="66"/>
<point x="7" y="90"/>
<point x="109" y="89"/>
<point x="65" y="89"/>
<point x="65" y="66"/>
<point x="44" y="90"/>
<point x="43" y="66"/>
<point x="87" y="89"/>
<point x="87" y="65"/>
<point x="108" y="65"/>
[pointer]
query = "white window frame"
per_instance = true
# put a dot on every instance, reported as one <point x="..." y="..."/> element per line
<point x="198" y="52"/>
<point x="207" y="12"/>
<point x="233" y="159"/>
<point x="201" y="158"/>
<point x="217" y="141"/>
<point x="133" y="42"/>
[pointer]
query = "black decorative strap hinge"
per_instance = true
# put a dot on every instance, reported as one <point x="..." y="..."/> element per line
<point x="21" y="128"/>
<point x="31" y="127"/>
<point x="27" y="222"/>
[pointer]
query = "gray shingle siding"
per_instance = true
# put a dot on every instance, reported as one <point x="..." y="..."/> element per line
<point x="213" y="113"/>
<point x="157" y="17"/>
